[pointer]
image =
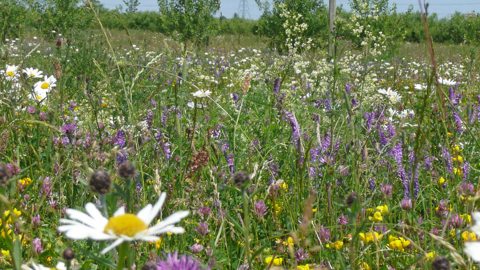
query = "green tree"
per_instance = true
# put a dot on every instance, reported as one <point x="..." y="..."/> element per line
<point x="191" y="20"/>
<point x="132" y="5"/>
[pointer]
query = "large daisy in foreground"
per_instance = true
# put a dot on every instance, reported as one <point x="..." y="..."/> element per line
<point x="122" y="226"/>
<point x="473" y="248"/>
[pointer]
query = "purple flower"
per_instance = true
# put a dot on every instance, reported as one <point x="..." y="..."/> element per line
<point x="448" y="159"/>
<point x="260" y="209"/>
<point x="31" y="109"/>
<point x="406" y="204"/>
<point x="204" y="211"/>
<point x="36" y="220"/>
<point x="458" y="123"/>
<point x="397" y="154"/>
<point x="119" y="139"/>
<point x="231" y="163"/>
<point x="69" y="128"/>
<point x="46" y="187"/>
<point x="276" y="86"/>
<point x="386" y="189"/>
<point x="149" y="119"/>
<point x="202" y="228"/>
<point x="466" y="170"/>
<point x="196" y="248"/>
<point x="456" y="221"/>
<point x="174" y="262"/>
<point x="37" y="245"/>
<point x="295" y="129"/>
<point x="371" y="184"/>
<point x="342" y="220"/>
<point x="324" y="234"/>
<point x="301" y="255"/>
<point x="348" y="88"/>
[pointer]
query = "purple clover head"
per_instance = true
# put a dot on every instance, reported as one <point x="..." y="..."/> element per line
<point x="175" y="262"/>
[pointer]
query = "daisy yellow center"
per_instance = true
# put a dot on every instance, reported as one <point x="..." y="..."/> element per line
<point x="126" y="224"/>
<point x="45" y="85"/>
<point x="10" y="73"/>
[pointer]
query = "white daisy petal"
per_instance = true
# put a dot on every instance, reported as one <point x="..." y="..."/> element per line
<point x="174" y="218"/>
<point x="472" y="249"/>
<point x="144" y="214"/>
<point x="156" y="208"/>
<point x="119" y="212"/>
<point x="113" y="245"/>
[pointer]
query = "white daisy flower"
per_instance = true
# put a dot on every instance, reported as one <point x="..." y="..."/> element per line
<point x="11" y="72"/>
<point x="202" y="93"/>
<point x="393" y="96"/>
<point x="33" y="73"/>
<point x="447" y="82"/>
<point x="122" y="226"/>
<point x="33" y="266"/>
<point x="472" y="249"/>
<point x="419" y="86"/>
<point x="46" y="84"/>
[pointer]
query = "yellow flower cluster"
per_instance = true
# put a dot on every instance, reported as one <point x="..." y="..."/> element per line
<point x="9" y="218"/>
<point x="25" y="182"/>
<point x="303" y="267"/>
<point x="468" y="236"/>
<point x="441" y="181"/>
<point x="378" y="213"/>
<point x="365" y="266"/>
<point x="335" y="245"/>
<point x="466" y="218"/>
<point x="370" y="237"/>
<point x="398" y="243"/>
<point x="429" y="256"/>
<point x="275" y="261"/>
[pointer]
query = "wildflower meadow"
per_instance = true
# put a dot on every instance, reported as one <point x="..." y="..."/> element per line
<point x="128" y="148"/>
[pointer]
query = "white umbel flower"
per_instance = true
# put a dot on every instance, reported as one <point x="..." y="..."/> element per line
<point x="122" y="226"/>
<point x="202" y="93"/>
<point x="448" y="82"/>
<point x="472" y="249"/>
<point x="33" y="73"/>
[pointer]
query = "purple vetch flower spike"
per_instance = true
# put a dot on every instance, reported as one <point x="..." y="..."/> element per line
<point x="348" y="88"/>
<point x="458" y="122"/>
<point x="166" y="150"/>
<point x="397" y="154"/>
<point x="466" y="170"/>
<point x="119" y="139"/>
<point x="371" y="184"/>
<point x="428" y="163"/>
<point x="448" y="159"/>
<point x="276" y="86"/>
<point x="231" y="163"/>
<point x="149" y="119"/>
<point x="369" y="118"/>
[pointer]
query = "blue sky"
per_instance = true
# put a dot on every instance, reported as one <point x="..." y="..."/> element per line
<point x="442" y="7"/>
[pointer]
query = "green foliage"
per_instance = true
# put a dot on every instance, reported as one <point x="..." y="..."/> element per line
<point x="312" y="12"/>
<point x="13" y="16"/>
<point x="192" y="20"/>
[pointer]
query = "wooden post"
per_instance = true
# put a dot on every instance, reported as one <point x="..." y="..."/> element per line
<point x="331" y="25"/>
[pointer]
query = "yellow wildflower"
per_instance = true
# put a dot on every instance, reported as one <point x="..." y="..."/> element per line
<point x="468" y="236"/>
<point x="370" y="237"/>
<point x="383" y="209"/>
<point x="467" y="218"/>
<point x="458" y="158"/>
<point x="290" y="242"/>
<point x="284" y="186"/>
<point x="377" y="217"/>
<point x="365" y="266"/>
<point x="458" y="171"/>
<point x="441" y="181"/>
<point x="277" y="208"/>
<point x="335" y="245"/>
<point x="276" y="261"/>
<point x="25" y="182"/>
<point x="158" y="243"/>
<point x="303" y="267"/>
<point x="5" y="253"/>
<point x="398" y="243"/>
<point x="456" y="148"/>
<point x="430" y="255"/>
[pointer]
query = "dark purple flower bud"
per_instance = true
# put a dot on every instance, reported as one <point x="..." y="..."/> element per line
<point x="342" y="220"/>
<point x="36" y="220"/>
<point x="202" y="228"/>
<point x="31" y="109"/>
<point x="406" y="204"/>
<point x="260" y="209"/>
<point x="324" y="234"/>
<point x="204" y="211"/>
<point x="43" y="116"/>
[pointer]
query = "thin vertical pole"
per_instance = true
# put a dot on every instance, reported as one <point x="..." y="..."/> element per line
<point x="332" y="7"/>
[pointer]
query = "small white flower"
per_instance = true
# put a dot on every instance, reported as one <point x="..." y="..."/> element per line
<point x="33" y="73"/>
<point x="122" y="226"/>
<point x="393" y="96"/>
<point x="202" y="93"/>
<point x="472" y="249"/>
<point x="11" y="72"/>
<point x="447" y="82"/>
<point x="419" y="86"/>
